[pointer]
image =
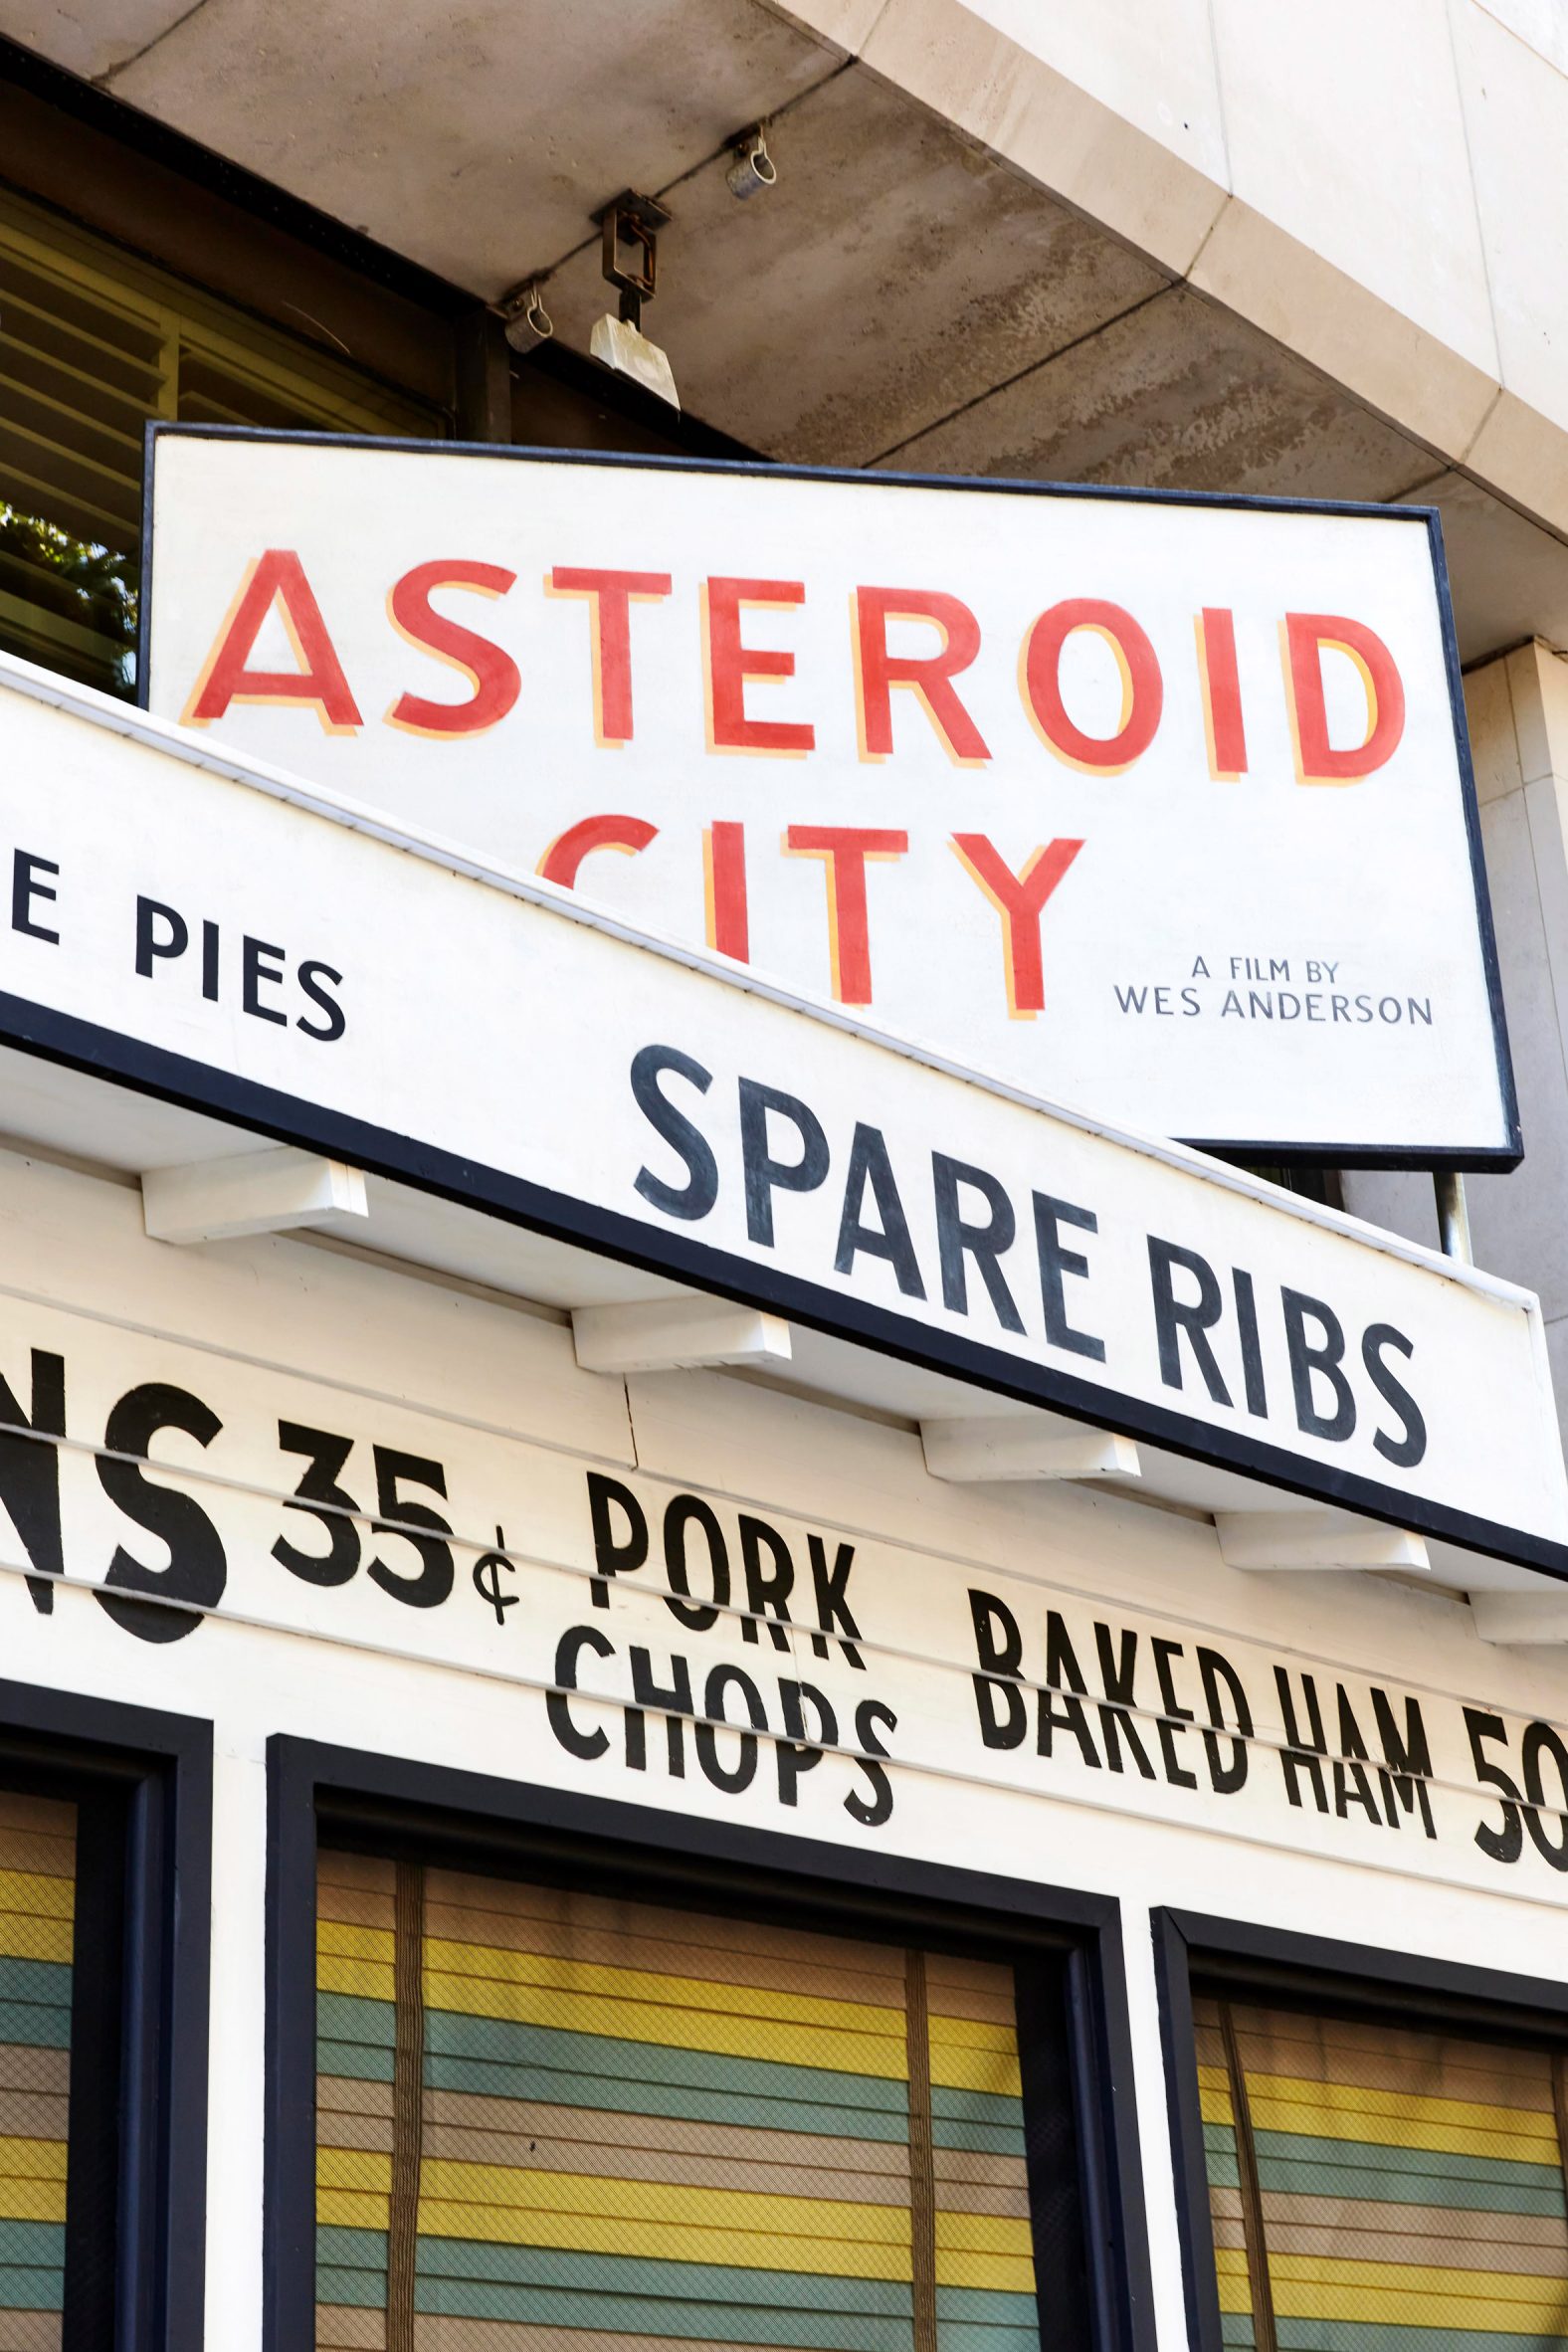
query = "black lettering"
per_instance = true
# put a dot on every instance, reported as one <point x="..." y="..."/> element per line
<point x="311" y="975"/>
<point x="868" y="1715"/>
<point x="1300" y="1755"/>
<point x="870" y="1164"/>
<point x="1508" y="1844"/>
<point x="767" y="1588"/>
<point x="611" y="1558"/>
<point x="998" y="1651"/>
<point x="261" y="963"/>
<point x="1118" y="1673"/>
<point x="1251" y="1353"/>
<point x="1407" y="1761"/>
<point x="1063" y="1669"/>
<point x="25" y="887"/>
<point x="1321" y="1362"/>
<point x="1213" y="1669"/>
<point x="150" y="947"/>
<point x="798" y="1754"/>
<point x="1195" y="1318"/>
<point x="210" y="941"/>
<point x="672" y="1703"/>
<point x="679" y="1515"/>
<point x="30" y="1472"/>
<point x="1406" y="1449"/>
<point x="731" y="1778"/>
<point x="1352" y="1783"/>
<point x="578" y="1638"/>
<point x="831" y="1607"/>
<point x="422" y="1528"/>
<point x="695" y="1198"/>
<point x="985" y="1244"/>
<point x="1540" y="1740"/>
<point x="1172" y="1715"/>
<point x="764" y="1175"/>
<point x="1054" y="1262"/>
<point x="197" y="1570"/>
<point x="320" y="1497"/>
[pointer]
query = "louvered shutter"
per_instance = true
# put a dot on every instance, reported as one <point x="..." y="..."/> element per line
<point x="37" y="1907"/>
<point x="552" y="2118"/>
<point x="1375" y="2189"/>
<point x="92" y="345"/>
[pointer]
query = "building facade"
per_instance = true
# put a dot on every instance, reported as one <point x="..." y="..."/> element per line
<point x="547" y="1798"/>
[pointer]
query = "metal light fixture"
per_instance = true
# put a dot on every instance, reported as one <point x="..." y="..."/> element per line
<point x="525" y="322"/>
<point x="630" y="260"/>
<point x="753" y="168"/>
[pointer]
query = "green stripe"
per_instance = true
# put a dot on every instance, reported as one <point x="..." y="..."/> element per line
<point x="550" y="2088"/>
<point x="448" y="2034"/>
<point x="37" y="2245"/>
<point x="31" y="2291"/>
<point x="35" y="2024"/>
<point x="995" y="2306"/>
<point x="963" y="2335"/>
<point x="344" y="2017"/>
<point x="730" y="2323"/>
<point x="1236" y="2330"/>
<point x="361" y="2291"/>
<point x="1341" y="2162"/>
<point x="352" y="2250"/>
<point x="478" y="2261"/>
<point x="975" y="2106"/>
<point x="46" y="1982"/>
<point x="1365" y="2335"/>
<point x="353" y="2062"/>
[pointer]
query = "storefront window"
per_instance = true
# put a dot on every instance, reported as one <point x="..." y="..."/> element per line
<point x="1378" y="2189"/>
<point x="92" y="345"/>
<point x="37" y="1873"/>
<point x="561" y="2110"/>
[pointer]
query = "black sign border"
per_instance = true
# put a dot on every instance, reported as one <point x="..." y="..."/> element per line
<point x="1283" y="1152"/>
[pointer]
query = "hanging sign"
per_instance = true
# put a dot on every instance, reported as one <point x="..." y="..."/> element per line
<point x="1157" y="806"/>
<point x="219" y="936"/>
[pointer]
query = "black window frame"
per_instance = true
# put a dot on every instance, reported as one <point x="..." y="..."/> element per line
<point x="388" y="1804"/>
<point x="1275" y="1964"/>
<point x="143" y="1781"/>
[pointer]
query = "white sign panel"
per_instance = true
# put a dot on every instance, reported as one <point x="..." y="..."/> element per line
<point x="229" y="941"/>
<point x="1157" y="806"/>
<point x="674" y="1643"/>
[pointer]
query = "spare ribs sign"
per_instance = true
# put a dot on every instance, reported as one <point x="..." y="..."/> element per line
<point x="1157" y="806"/>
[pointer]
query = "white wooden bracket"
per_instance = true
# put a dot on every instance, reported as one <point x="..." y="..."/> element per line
<point x="1532" y="1618"/>
<point x="966" y="1452"/>
<point x="270" y="1191"/>
<point x="676" y="1335"/>
<point x="1292" y="1540"/>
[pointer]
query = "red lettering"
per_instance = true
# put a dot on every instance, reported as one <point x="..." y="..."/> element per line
<point x="1142" y="689"/>
<point x="930" y="676"/>
<point x="567" y="850"/>
<point x="724" y="877"/>
<point x="611" y="596"/>
<point x="276" y="578"/>
<point x="845" y="850"/>
<point x="1018" y="900"/>
<point x="730" y="664"/>
<point x="1220" y="686"/>
<point x="491" y="672"/>
<point x="1316" y="761"/>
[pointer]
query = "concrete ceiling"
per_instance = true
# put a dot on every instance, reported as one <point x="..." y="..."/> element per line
<point x="901" y="297"/>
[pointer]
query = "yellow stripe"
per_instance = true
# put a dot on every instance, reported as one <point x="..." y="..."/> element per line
<point x="35" y="1891"/>
<point x="983" y="2233"/>
<point x="340" y="2209"/>
<point x="32" y="2160"/>
<point x="1330" y="2271"/>
<point x="1347" y="2100"/>
<point x="663" y="2241"/>
<point x="348" y="1942"/>
<point x="518" y="2188"/>
<point x="1437" y="2307"/>
<point x="26" y="1938"/>
<point x="642" y="2020"/>
<point x="1005" y="2274"/>
<point x="1398" y="2131"/>
<point x="359" y="1977"/>
<point x="969" y="2032"/>
<point x="597" y="1979"/>
<point x="353" y="2168"/>
<point x="977" y="2069"/>
<point x="31" y="2200"/>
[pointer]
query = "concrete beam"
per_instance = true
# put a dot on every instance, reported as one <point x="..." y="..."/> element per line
<point x="1294" y="1540"/>
<point x="965" y="1451"/>
<point x="676" y="1334"/>
<point x="1533" y="1620"/>
<point x="269" y="1191"/>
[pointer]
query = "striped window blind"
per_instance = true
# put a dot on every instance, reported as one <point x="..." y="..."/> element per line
<point x="554" y="2119"/>
<point x="37" y="1907"/>
<point x="1374" y="2189"/>
<point x="93" y="346"/>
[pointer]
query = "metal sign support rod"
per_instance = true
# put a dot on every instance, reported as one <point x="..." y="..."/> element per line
<point x="1454" y="1230"/>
